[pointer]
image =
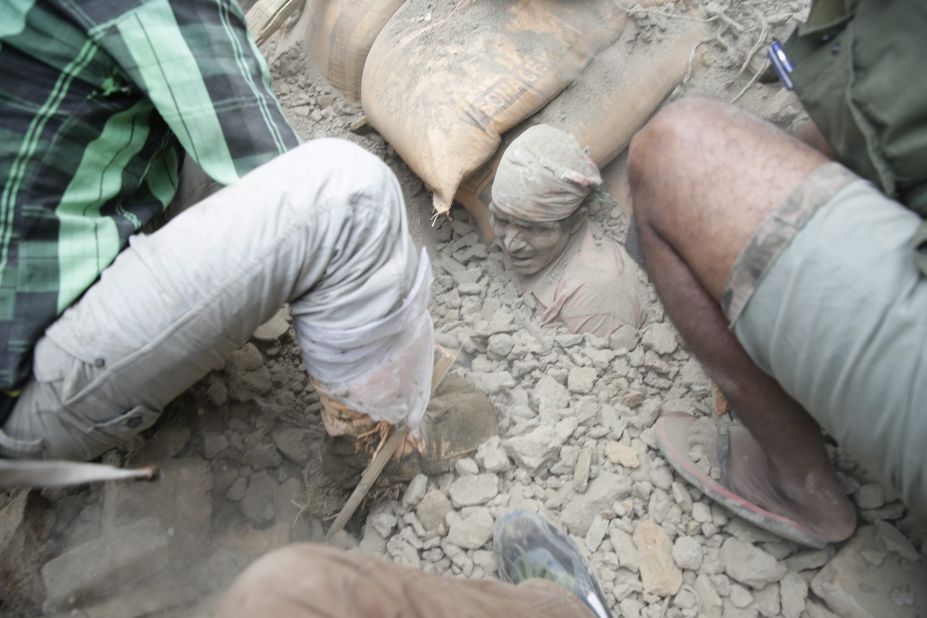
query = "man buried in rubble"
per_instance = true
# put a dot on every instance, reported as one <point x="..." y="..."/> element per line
<point x="576" y="274"/>
<point x="102" y="324"/>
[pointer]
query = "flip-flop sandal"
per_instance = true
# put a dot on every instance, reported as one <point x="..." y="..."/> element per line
<point x="672" y="430"/>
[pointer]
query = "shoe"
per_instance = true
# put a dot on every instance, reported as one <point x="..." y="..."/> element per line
<point x="528" y="547"/>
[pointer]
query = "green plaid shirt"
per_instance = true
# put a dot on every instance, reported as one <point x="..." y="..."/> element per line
<point x="98" y="98"/>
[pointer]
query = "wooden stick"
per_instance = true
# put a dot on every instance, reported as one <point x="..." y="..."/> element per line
<point x="368" y="478"/>
<point x="385" y="452"/>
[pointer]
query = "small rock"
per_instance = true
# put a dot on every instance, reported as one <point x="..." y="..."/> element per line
<point x="596" y="533"/>
<point x="274" y="328"/>
<point x="432" y="510"/>
<point x="492" y="456"/>
<point x="581" y="380"/>
<point x="213" y="444"/>
<point x="237" y="489"/>
<point x="807" y="560"/>
<point x="624" y="549"/>
<point x="897" y="542"/>
<point x="870" y="496"/>
<point x="622" y="455"/>
<point x="579" y="512"/>
<point x="402" y="552"/>
<point x="474" y="489"/>
<point x="540" y="445"/>
<point x="701" y="512"/>
<point x="218" y="392"/>
<point x="495" y="382"/>
<point x="740" y="597"/>
<point x="258" y="502"/>
<point x="732" y="611"/>
<point x="262" y="456"/>
<point x="415" y="491"/>
<point x="581" y="470"/>
<point x="793" y="590"/>
<point x="661" y="338"/>
<point x="767" y="601"/>
<point x="659" y="574"/>
<point x="466" y="466"/>
<point x="248" y="377"/>
<point x="687" y="552"/>
<point x="500" y="345"/>
<point x="709" y="602"/>
<point x="750" y="565"/>
<point x="472" y="531"/>
<point x="294" y="443"/>
<point x="383" y="522"/>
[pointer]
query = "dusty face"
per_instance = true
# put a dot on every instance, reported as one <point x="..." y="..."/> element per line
<point x="529" y="247"/>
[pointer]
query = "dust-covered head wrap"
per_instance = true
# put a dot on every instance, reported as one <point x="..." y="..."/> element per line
<point x="543" y="176"/>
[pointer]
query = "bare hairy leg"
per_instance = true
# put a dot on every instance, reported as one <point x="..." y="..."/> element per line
<point x="704" y="176"/>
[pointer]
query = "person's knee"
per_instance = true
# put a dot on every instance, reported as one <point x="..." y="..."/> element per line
<point x="672" y="137"/>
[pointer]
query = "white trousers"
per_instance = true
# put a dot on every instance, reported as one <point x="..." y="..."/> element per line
<point x="322" y="227"/>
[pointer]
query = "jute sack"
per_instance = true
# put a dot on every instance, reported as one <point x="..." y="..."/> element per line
<point x="340" y="35"/>
<point x="445" y="78"/>
<point x="611" y="100"/>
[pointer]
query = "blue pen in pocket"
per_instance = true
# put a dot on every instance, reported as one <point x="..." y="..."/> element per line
<point x="781" y="64"/>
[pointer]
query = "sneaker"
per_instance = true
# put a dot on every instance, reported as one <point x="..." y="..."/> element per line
<point x="528" y="547"/>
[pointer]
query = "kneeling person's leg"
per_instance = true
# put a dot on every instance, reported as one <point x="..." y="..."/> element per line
<point x="322" y="227"/>
<point x="704" y="177"/>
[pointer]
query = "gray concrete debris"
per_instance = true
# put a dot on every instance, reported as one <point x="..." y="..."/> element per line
<point x="581" y="470"/>
<point x="258" y="502"/>
<point x="740" y="597"/>
<point x="659" y="574"/>
<point x="472" y="530"/>
<point x="294" y="443"/>
<point x="767" y="601"/>
<point x="794" y="594"/>
<point x="596" y="533"/>
<point x="539" y="446"/>
<point x="248" y="376"/>
<point x="660" y="337"/>
<point x="415" y="491"/>
<point x="853" y="586"/>
<point x="687" y="552"/>
<point x="118" y="559"/>
<point x="491" y="456"/>
<point x="180" y="500"/>
<point x="275" y="327"/>
<point x="432" y="510"/>
<point x="581" y="380"/>
<point x="24" y="525"/>
<point x="474" y="489"/>
<point x="709" y="602"/>
<point x="625" y="550"/>
<point x="578" y="512"/>
<point x="750" y="565"/>
<point x="622" y="455"/>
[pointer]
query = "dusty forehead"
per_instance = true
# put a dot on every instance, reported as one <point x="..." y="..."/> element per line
<point x="500" y="214"/>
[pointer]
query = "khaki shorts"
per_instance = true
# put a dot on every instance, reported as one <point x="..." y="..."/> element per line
<point x="826" y="298"/>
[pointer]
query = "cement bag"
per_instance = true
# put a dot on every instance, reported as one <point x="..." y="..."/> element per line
<point x="382" y="369"/>
<point x="442" y="84"/>
<point x="340" y="35"/>
<point x="611" y="100"/>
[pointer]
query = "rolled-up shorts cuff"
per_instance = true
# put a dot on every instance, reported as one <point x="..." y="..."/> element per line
<point x="777" y="232"/>
<point x="827" y="299"/>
